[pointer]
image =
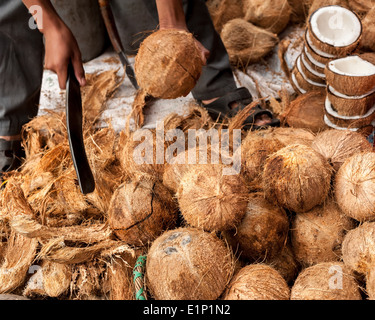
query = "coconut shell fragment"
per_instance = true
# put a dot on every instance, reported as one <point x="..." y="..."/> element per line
<point x="188" y="264"/>
<point x="257" y="282"/>
<point x="297" y="178"/>
<point x="326" y="281"/>
<point x="168" y="64"/>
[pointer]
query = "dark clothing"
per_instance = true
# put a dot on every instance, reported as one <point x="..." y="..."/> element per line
<point x="22" y="50"/>
<point x="21" y="67"/>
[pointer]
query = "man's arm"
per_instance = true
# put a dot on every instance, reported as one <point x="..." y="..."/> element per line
<point x="61" y="46"/>
<point x="171" y="16"/>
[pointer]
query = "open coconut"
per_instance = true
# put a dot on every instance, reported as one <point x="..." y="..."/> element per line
<point x="358" y="250"/>
<point x="247" y="43"/>
<point x="211" y="200"/>
<point x="349" y="105"/>
<point x="311" y="73"/>
<point x="188" y="264"/>
<point x="312" y="63"/>
<point x="271" y="15"/>
<point x="141" y="210"/>
<point x="297" y="178"/>
<point x="262" y="232"/>
<point x="335" y="30"/>
<point x="367" y="41"/>
<point x="257" y="282"/>
<point x="351" y="76"/>
<point x="338" y="146"/>
<point x="355" y="187"/>
<point x="317" y="235"/>
<point x="316" y="55"/>
<point x="307" y="111"/>
<point x="348" y="121"/>
<point x="326" y="281"/>
<point x="168" y="64"/>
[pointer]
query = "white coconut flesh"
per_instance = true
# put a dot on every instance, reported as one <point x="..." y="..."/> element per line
<point x="344" y="96"/>
<point x="299" y="67"/>
<point x="312" y="59"/>
<point x="333" y="126"/>
<point x="352" y="66"/>
<point x="336" y="26"/>
<point x="294" y="79"/>
<point x="333" y="113"/>
<point x="317" y="50"/>
<point x="314" y="72"/>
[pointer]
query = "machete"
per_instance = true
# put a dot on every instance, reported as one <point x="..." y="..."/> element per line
<point x="75" y="133"/>
<point x="115" y="40"/>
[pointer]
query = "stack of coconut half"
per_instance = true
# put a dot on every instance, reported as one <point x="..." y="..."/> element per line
<point x="350" y="101"/>
<point x="332" y="32"/>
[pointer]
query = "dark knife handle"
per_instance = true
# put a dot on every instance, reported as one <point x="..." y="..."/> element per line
<point x="110" y="25"/>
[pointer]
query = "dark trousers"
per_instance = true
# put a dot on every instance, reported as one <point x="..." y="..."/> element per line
<point x="21" y="67"/>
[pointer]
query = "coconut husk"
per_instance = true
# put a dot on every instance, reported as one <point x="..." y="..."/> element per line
<point x="317" y="235"/>
<point x="257" y="282"/>
<point x="272" y="16"/>
<point x="216" y="208"/>
<point x="361" y="7"/>
<point x="50" y="280"/>
<point x="297" y="178"/>
<point x="246" y="43"/>
<point x="347" y="106"/>
<point x="255" y="150"/>
<point x="368" y="35"/>
<point x="338" y="146"/>
<point x="300" y="10"/>
<point x="368" y="56"/>
<point x="306" y="112"/>
<point x="168" y="64"/>
<point x="317" y="4"/>
<point x="18" y="257"/>
<point x="223" y="11"/>
<point x="141" y="210"/>
<point x="326" y="281"/>
<point x="350" y="85"/>
<point x="289" y="136"/>
<point x="263" y="231"/>
<point x="285" y="263"/>
<point x="339" y="51"/>
<point x="353" y="186"/>
<point x="188" y="264"/>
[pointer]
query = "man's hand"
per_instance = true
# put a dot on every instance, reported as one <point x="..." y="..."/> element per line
<point x="61" y="46"/>
<point x="171" y="16"/>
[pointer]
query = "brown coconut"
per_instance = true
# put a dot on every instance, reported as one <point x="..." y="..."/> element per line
<point x="351" y="76"/>
<point x="300" y="10"/>
<point x="316" y="4"/>
<point x="247" y="43"/>
<point x="361" y="7"/>
<point x="263" y="231"/>
<point x="313" y="53"/>
<point x="210" y="199"/>
<point x="285" y="263"/>
<point x="337" y="146"/>
<point x="334" y="30"/>
<point x="297" y="178"/>
<point x="312" y="63"/>
<point x="310" y="73"/>
<point x="168" y="64"/>
<point x="289" y="136"/>
<point x="223" y="11"/>
<point x="141" y="210"/>
<point x="317" y="235"/>
<point x="348" y="105"/>
<point x="257" y="282"/>
<point x="326" y="281"/>
<point x="355" y="185"/>
<point x="188" y="264"/>
<point x="367" y="41"/>
<point x="301" y="83"/>
<point x="255" y="149"/>
<point x="272" y="16"/>
<point x="306" y="112"/>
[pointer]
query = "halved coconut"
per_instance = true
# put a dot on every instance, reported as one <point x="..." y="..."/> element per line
<point x="330" y="124"/>
<point x="335" y="30"/>
<point x="349" y="121"/>
<point x="348" y="105"/>
<point x="352" y="76"/>
<point x="317" y="54"/>
<point x="312" y="62"/>
<point x="310" y="73"/>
